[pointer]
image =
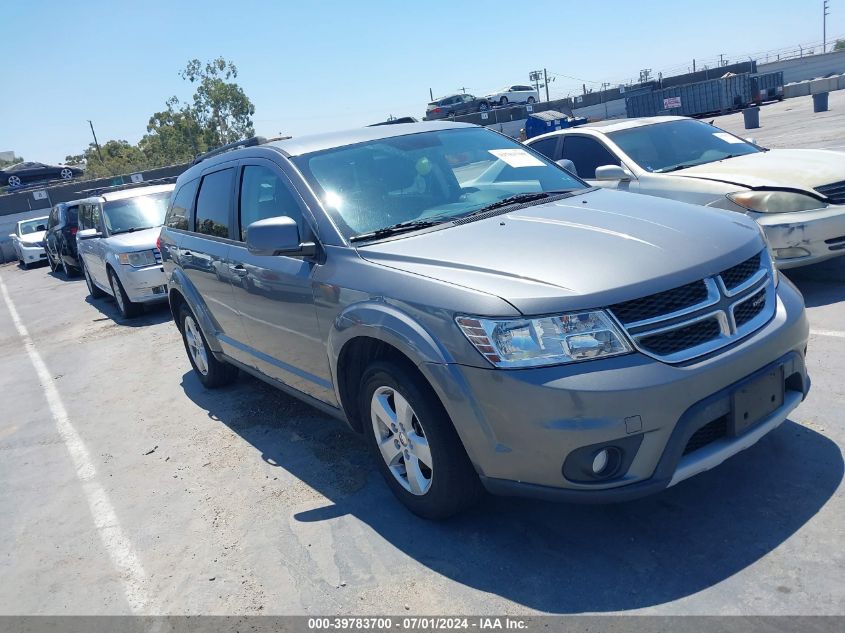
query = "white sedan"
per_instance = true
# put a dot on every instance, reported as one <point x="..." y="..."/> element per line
<point x="28" y="241"/>
<point x="513" y="94"/>
<point x="796" y="195"/>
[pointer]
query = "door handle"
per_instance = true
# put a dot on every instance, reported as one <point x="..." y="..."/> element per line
<point x="238" y="270"/>
<point x="186" y="254"/>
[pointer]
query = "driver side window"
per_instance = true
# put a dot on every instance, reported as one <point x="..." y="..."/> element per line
<point x="265" y="194"/>
<point x="587" y="154"/>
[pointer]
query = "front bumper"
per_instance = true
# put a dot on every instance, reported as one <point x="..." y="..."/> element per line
<point x="519" y="426"/>
<point x="32" y="254"/>
<point x="810" y="236"/>
<point x="144" y="285"/>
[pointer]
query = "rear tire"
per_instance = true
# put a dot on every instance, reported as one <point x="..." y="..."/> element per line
<point x="407" y="426"/>
<point x="211" y="372"/>
<point x="531" y="100"/>
<point x="503" y="101"/>
<point x="93" y="289"/>
<point x="128" y="309"/>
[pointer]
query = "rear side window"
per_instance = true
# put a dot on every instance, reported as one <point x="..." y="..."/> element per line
<point x="214" y="202"/>
<point x="587" y="154"/>
<point x="180" y="207"/>
<point x="546" y="147"/>
<point x="71" y="215"/>
<point x="265" y="194"/>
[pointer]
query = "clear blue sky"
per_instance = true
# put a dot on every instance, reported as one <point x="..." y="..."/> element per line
<point x="323" y="65"/>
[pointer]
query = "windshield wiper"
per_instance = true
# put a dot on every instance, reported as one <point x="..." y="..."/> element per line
<point x="132" y="230"/>
<point x="395" y="229"/>
<point x="518" y="198"/>
<point x="666" y="170"/>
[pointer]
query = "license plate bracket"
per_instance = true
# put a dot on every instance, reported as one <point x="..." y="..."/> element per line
<point x="755" y="400"/>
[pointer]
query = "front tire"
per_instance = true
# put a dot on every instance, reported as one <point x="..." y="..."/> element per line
<point x="128" y="309"/>
<point x="417" y="449"/>
<point x="503" y="101"/>
<point x="211" y="372"/>
<point x="66" y="174"/>
<point x="531" y="100"/>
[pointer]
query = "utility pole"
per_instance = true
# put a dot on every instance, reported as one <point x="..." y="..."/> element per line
<point x="645" y="73"/>
<point x="825" y="13"/>
<point x="96" y="142"/>
<point x="693" y="65"/>
<point x="546" y="81"/>
<point x="721" y="59"/>
<point x="431" y="94"/>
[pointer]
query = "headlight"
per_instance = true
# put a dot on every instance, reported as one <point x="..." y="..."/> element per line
<point x="546" y="340"/>
<point x="138" y="259"/>
<point x="775" y="201"/>
<point x="772" y="265"/>
<point x="29" y="244"/>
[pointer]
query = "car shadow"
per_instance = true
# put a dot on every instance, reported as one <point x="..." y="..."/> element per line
<point x="821" y="284"/>
<point x="59" y="274"/>
<point x="558" y="558"/>
<point x="152" y="315"/>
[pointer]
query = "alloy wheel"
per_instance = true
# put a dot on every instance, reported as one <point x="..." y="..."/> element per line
<point x="118" y="294"/>
<point x="401" y="440"/>
<point x="196" y="347"/>
<point x="14" y="181"/>
<point x="66" y="173"/>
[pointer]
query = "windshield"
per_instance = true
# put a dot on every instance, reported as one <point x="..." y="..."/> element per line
<point x="133" y="214"/>
<point x="31" y="226"/>
<point x="673" y="145"/>
<point x="439" y="175"/>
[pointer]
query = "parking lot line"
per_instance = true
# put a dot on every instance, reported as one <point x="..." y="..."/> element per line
<point x="832" y="333"/>
<point x="111" y="534"/>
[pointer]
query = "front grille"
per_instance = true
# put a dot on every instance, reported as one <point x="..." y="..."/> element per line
<point x="736" y="275"/>
<point x="682" y="338"/>
<point x="707" y="434"/>
<point x="698" y="318"/>
<point x="750" y="308"/>
<point x="835" y="192"/>
<point x="661" y="303"/>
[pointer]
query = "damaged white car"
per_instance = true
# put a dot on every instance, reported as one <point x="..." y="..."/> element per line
<point x="796" y="195"/>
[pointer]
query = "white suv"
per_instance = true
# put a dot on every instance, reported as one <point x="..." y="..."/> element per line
<point x="118" y="232"/>
<point x="514" y="94"/>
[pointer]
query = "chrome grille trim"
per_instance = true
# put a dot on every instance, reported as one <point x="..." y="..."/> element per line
<point x="721" y="305"/>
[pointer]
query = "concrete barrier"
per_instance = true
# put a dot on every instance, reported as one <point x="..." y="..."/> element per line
<point x="800" y="89"/>
<point x="826" y="84"/>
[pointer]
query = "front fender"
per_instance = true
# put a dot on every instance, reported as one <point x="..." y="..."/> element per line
<point x="380" y="320"/>
<point x="177" y="281"/>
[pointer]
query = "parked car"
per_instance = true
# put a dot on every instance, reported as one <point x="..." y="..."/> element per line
<point x="23" y="173"/>
<point x="513" y="94"/>
<point x="60" y="238"/>
<point x="796" y="195"/>
<point x="28" y="241"/>
<point x="525" y="334"/>
<point x="455" y="105"/>
<point x="117" y="236"/>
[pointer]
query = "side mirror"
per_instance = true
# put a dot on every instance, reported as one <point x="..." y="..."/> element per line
<point x="568" y="165"/>
<point x="612" y="172"/>
<point x="88" y="234"/>
<point x="12" y="235"/>
<point x="277" y="236"/>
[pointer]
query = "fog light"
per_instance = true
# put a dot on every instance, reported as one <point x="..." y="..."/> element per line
<point x="600" y="461"/>
<point x="790" y="253"/>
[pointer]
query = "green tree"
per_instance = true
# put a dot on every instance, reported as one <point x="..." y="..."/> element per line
<point x="839" y="46"/>
<point x="173" y="136"/>
<point x="9" y="163"/>
<point x="118" y="157"/>
<point x="220" y="107"/>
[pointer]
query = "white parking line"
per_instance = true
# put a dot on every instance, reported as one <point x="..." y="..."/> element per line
<point x="832" y="333"/>
<point x="114" y="539"/>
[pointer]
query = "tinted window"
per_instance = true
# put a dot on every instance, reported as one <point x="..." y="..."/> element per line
<point x="264" y="194"/>
<point x="546" y="147"/>
<point x="587" y="154"/>
<point x="71" y="215"/>
<point x="214" y="202"/>
<point x="53" y="218"/>
<point x="84" y="216"/>
<point x="180" y="208"/>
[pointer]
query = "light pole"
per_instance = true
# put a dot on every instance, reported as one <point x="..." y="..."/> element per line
<point x="825" y="13"/>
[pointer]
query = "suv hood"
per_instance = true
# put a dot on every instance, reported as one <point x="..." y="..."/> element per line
<point x="137" y="241"/>
<point x="588" y="251"/>
<point x="794" y="168"/>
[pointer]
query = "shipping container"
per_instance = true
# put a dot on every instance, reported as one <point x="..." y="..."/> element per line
<point x="704" y="97"/>
<point x="767" y="87"/>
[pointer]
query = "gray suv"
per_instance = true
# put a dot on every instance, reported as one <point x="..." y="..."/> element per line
<point x="485" y="318"/>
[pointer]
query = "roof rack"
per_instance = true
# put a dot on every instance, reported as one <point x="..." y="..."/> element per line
<point x="401" y="119"/>
<point x="96" y="191"/>
<point x="228" y="147"/>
